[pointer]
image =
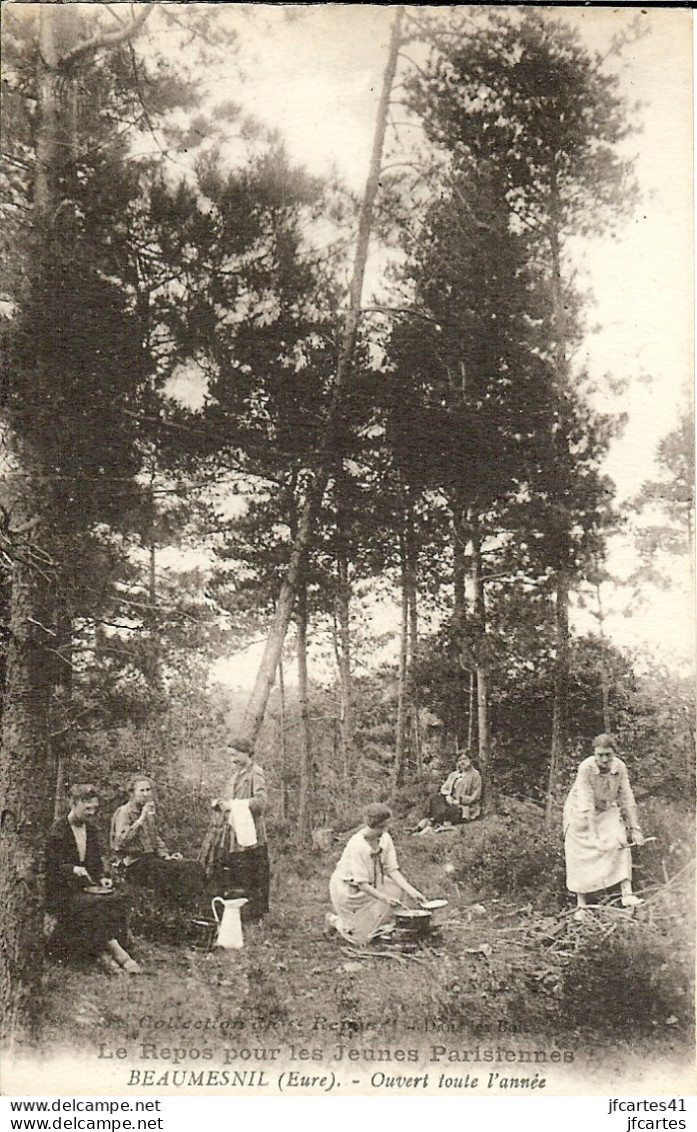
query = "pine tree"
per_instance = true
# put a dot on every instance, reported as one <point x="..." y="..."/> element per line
<point x="521" y="95"/>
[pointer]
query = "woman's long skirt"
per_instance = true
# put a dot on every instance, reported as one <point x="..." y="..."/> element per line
<point x="441" y="811"/>
<point x="359" y="915"/>
<point x="588" y="868"/>
<point x="86" y="923"/>
<point x="247" y="873"/>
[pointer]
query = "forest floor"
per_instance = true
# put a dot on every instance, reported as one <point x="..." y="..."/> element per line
<point x="508" y="980"/>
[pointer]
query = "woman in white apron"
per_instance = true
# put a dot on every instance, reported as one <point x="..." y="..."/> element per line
<point x="599" y="811"/>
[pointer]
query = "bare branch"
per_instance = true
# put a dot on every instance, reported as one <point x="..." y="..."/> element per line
<point x="105" y="39"/>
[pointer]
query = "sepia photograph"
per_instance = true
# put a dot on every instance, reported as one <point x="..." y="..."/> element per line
<point x="347" y="634"/>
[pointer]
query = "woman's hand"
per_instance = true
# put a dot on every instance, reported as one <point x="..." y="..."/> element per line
<point x="415" y="894"/>
<point x="392" y="901"/>
<point x="148" y="810"/>
<point x="81" y="872"/>
<point x="637" y="837"/>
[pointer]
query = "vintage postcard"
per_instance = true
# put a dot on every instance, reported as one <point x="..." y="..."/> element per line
<point x="346" y="551"/>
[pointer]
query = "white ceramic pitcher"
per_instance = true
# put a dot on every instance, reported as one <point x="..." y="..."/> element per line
<point x="229" y="923"/>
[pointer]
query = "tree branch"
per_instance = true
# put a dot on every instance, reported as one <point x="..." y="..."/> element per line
<point x="106" y="39"/>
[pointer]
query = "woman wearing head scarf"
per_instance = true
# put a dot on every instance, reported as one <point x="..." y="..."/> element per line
<point x="598" y="812"/>
<point x="366" y="885"/>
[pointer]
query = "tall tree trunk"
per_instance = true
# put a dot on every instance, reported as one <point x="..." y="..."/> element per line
<point x="560" y="712"/>
<point x="400" y="738"/>
<point x="26" y="796"/>
<point x="463" y="710"/>
<point x="343" y="609"/>
<point x="269" y="662"/>
<point x="61" y="737"/>
<point x="481" y="654"/>
<point x="282" y="741"/>
<point x="604" y="674"/>
<point x="26" y="778"/>
<point x="306" y="776"/>
<point x="412" y="600"/>
<point x="560" y="719"/>
<point x="470" y="718"/>
<point x="26" y="754"/>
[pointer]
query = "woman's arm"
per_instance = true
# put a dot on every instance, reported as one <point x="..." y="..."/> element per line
<point x="629" y="807"/>
<point x="123" y="830"/>
<point x="260" y="798"/>
<point x="370" y="890"/>
<point x="585" y="800"/>
<point x="467" y="797"/>
<point x="403" y="883"/>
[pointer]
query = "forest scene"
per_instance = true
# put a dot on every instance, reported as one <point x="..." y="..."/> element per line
<point x="339" y="462"/>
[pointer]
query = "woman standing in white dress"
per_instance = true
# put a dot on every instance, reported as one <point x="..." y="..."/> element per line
<point x="598" y="811"/>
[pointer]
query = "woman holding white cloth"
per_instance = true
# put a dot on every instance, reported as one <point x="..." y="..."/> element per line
<point x="244" y="803"/>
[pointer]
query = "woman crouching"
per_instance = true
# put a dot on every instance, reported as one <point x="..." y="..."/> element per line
<point x="366" y="885"/>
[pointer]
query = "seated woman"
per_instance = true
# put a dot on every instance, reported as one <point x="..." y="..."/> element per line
<point x="366" y="885"/>
<point x="141" y="854"/>
<point x="599" y="808"/>
<point x="459" y="798"/>
<point x="88" y="924"/>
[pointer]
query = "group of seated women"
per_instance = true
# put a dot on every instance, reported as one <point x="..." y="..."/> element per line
<point x="366" y="886"/>
<point x="91" y="913"/>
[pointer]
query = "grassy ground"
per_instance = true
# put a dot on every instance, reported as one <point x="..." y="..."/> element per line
<point x="508" y="968"/>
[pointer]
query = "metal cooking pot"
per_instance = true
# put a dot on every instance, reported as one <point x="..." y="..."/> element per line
<point x="415" y="921"/>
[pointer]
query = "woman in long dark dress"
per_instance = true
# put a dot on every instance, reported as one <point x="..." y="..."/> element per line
<point x="235" y="851"/>
<point x="89" y="924"/>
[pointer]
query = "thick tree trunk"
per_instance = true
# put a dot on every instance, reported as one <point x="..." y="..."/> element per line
<point x="26" y="793"/>
<point x="27" y="783"/>
<point x="267" y="669"/>
<point x="304" y="823"/>
<point x="27" y="776"/>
